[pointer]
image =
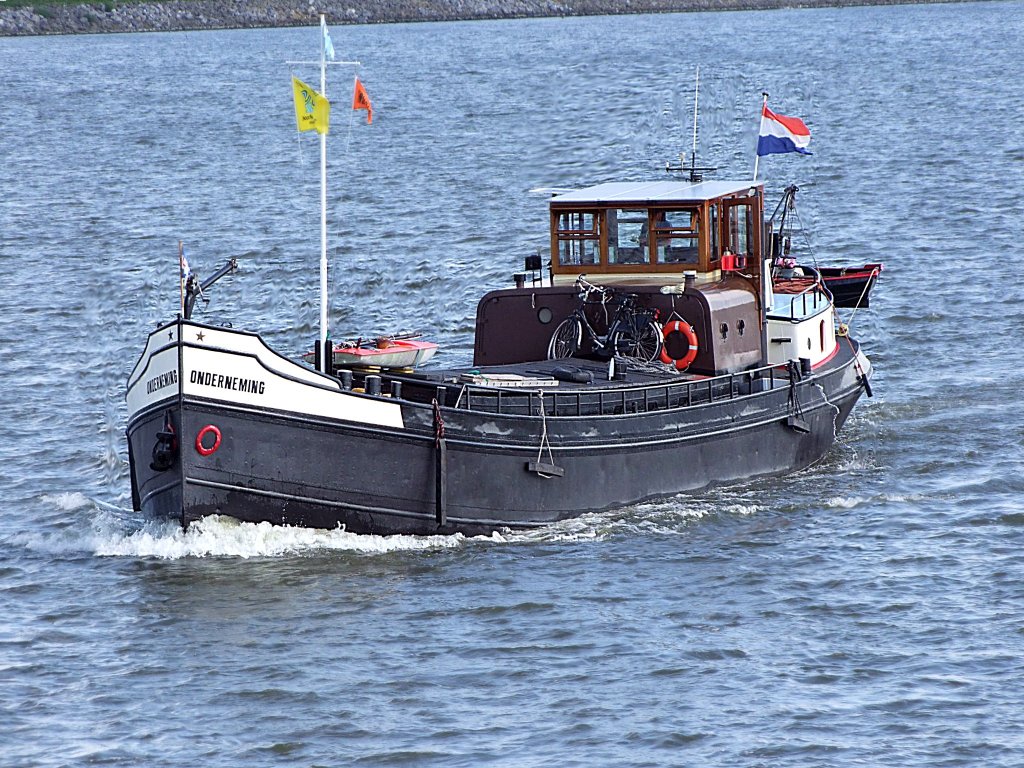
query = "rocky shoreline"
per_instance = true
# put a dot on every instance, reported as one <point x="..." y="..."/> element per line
<point x="177" y="15"/>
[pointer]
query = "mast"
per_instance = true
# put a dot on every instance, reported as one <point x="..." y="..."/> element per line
<point x="764" y="261"/>
<point x="326" y="51"/>
<point x="182" y="276"/>
<point x="325" y="361"/>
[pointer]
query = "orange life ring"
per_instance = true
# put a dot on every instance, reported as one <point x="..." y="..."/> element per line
<point x="202" y="449"/>
<point x="683" y="327"/>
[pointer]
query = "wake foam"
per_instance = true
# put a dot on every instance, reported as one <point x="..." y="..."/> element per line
<point x="97" y="528"/>
<point x="82" y="526"/>
<point x="221" y="536"/>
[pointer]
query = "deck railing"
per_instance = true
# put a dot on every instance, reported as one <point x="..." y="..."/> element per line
<point x="613" y="401"/>
<point x="815" y="293"/>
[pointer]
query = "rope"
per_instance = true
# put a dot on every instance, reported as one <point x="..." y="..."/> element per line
<point x="351" y="118"/>
<point x="857" y="365"/>
<point x="440" y="469"/>
<point x="795" y="408"/>
<point x="654" y="366"/>
<point x="863" y="293"/>
<point x="544" y="441"/>
<point x="804" y="236"/>
<point x="835" y="416"/>
<point x="438" y="424"/>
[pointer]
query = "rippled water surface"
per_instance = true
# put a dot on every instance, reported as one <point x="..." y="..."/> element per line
<point x="867" y="611"/>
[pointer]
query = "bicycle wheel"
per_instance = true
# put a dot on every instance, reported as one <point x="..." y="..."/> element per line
<point x="643" y="343"/>
<point x="565" y="341"/>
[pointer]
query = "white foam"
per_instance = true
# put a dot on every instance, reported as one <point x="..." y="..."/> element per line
<point x="667" y="517"/>
<point x="67" y="502"/>
<point x="844" y="502"/>
<point x="592" y="527"/>
<point x="740" y="509"/>
<point x="903" y="498"/>
<point x="117" y="532"/>
<point x="221" y="536"/>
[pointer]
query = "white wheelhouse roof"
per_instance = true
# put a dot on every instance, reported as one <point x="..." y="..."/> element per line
<point x="655" y="192"/>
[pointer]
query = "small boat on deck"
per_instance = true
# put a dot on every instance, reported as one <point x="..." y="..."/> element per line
<point x="850" y="286"/>
<point x="382" y="352"/>
<point x="655" y="356"/>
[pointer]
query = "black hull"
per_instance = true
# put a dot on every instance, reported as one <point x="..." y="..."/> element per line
<point x="306" y="470"/>
<point x="851" y="286"/>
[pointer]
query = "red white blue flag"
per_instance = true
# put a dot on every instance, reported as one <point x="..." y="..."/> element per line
<point x="780" y="134"/>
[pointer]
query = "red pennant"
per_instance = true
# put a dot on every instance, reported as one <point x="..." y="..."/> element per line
<point x="360" y="100"/>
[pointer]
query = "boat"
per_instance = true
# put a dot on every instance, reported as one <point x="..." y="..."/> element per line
<point x="850" y="286"/>
<point x="566" y="409"/>
<point x="380" y="352"/>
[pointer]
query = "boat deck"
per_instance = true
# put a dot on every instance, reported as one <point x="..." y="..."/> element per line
<point x="569" y="373"/>
<point x="576" y="387"/>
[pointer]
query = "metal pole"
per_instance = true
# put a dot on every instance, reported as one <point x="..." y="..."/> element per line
<point x="696" y="93"/>
<point x="323" y="209"/>
<point x="760" y="125"/>
<point x="181" y="277"/>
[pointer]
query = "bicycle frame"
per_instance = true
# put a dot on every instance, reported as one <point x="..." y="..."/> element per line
<point x="627" y="316"/>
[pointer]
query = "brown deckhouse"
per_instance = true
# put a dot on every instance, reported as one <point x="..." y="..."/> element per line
<point x="623" y="232"/>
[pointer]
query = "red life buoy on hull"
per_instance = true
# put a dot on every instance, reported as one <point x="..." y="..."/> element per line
<point x="201" y="448"/>
<point x="678" y="330"/>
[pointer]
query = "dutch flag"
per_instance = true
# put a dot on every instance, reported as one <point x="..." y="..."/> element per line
<point x="780" y="134"/>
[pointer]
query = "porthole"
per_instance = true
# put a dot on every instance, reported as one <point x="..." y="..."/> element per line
<point x="544" y="315"/>
<point x="741" y="326"/>
<point x="724" y="328"/>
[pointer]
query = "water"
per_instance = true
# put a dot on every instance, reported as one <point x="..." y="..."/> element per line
<point x="864" y="612"/>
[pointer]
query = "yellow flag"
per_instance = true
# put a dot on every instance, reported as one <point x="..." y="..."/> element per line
<point x="312" y="111"/>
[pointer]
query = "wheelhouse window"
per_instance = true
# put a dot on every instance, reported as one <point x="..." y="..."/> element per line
<point x="740" y="224"/>
<point x="713" y="232"/>
<point x="627" y="234"/>
<point x="578" y="238"/>
<point x="677" y="235"/>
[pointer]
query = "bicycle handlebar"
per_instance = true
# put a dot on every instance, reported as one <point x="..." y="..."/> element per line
<point x="585" y="288"/>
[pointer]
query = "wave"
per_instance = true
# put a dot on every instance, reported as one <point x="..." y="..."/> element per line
<point x="106" y="530"/>
<point x="222" y="536"/>
<point x="102" y="529"/>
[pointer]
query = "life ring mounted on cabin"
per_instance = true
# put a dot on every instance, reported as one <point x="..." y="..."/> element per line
<point x="676" y="329"/>
<point x="201" y="447"/>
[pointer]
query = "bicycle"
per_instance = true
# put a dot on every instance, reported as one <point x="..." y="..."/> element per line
<point x="632" y="332"/>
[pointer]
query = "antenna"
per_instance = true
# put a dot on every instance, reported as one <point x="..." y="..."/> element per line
<point x="696" y="173"/>
<point x="696" y="94"/>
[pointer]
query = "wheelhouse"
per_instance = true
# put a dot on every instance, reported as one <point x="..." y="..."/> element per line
<point x="638" y="231"/>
